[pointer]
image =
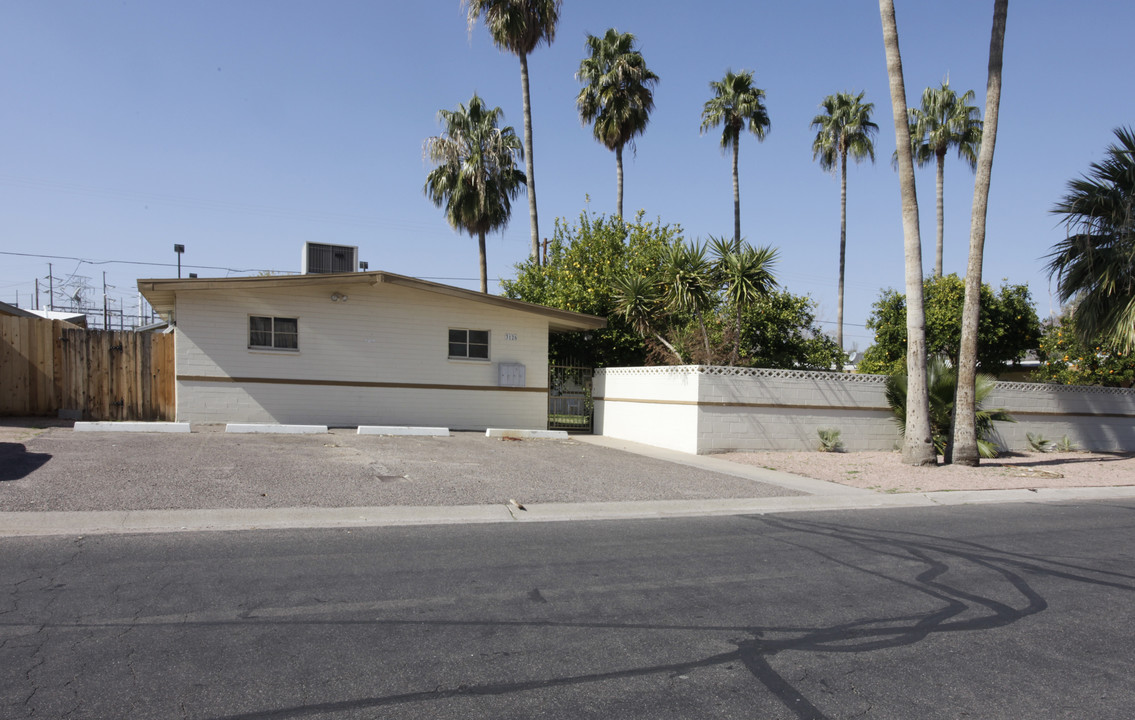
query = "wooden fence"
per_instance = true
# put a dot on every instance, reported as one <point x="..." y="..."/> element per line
<point x="48" y="366"/>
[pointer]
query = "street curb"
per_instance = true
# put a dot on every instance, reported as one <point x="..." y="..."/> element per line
<point x="162" y="521"/>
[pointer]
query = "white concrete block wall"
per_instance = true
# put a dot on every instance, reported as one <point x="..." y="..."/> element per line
<point x="727" y="429"/>
<point x="1094" y="418"/>
<point x="740" y="409"/>
<point x="654" y="406"/>
<point x="381" y="334"/>
<point x="752" y="409"/>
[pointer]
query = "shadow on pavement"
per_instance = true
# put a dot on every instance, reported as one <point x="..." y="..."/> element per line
<point x="16" y="462"/>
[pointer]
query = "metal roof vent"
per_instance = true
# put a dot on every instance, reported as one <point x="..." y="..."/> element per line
<point x="322" y="258"/>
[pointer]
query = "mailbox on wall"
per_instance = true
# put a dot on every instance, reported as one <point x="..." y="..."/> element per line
<point x="511" y="375"/>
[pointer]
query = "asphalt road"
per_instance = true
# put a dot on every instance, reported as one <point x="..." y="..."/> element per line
<point x="1009" y="611"/>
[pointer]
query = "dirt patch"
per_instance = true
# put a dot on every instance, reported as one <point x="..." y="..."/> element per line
<point x="885" y="471"/>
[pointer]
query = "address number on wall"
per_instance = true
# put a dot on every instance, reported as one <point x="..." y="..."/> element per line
<point x="510" y="336"/>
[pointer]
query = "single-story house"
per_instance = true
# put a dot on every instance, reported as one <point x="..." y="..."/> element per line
<point x="73" y="318"/>
<point x="355" y="348"/>
<point x="13" y="311"/>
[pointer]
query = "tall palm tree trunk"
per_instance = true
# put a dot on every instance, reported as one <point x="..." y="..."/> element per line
<point x="529" y="163"/>
<point x="619" y="176"/>
<point x="940" y="186"/>
<point x="965" y="420"/>
<point x="736" y="197"/>
<point x="736" y="240"/>
<point x="842" y="246"/>
<point x="918" y="445"/>
<point x="484" y="265"/>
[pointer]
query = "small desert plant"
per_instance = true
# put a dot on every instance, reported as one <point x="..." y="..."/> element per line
<point x="1065" y="445"/>
<point x="1038" y="442"/>
<point x="829" y="440"/>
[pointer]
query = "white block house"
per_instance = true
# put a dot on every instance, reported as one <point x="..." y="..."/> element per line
<point x="357" y="348"/>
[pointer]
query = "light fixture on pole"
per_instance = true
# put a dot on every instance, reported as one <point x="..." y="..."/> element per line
<point x="179" y="249"/>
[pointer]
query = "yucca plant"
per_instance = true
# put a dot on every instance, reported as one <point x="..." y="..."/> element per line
<point x="1038" y="443"/>
<point x="942" y="381"/>
<point x="1065" y="445"/>
<point x="829" y="440"/>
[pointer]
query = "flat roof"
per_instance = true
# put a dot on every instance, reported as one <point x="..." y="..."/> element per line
<point x="161" y="293"/>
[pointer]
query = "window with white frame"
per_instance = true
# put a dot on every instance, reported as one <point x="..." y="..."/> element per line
<point x="468" y="344"/>
<point x="273" y="333"/>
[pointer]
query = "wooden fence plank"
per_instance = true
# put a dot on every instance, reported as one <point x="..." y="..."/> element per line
<point x="47" y="366"/>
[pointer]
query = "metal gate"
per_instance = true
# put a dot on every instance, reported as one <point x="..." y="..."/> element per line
<point x="569" y="398"/>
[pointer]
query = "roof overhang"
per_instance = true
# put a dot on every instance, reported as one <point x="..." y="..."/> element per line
<point x="13" y="311"/>
<point x="162" y="293"/>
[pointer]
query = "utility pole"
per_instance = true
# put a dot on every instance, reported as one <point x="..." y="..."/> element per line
<point x="105" y="315"/>
<point x="50" y="288"/>
<point x="37" y="293"/>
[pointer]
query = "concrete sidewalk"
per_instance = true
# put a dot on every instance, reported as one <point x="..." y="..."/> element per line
<point x="160" y="521"/>
<point x="817" y="495"/>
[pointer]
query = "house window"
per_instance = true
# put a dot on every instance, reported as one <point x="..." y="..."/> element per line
<point x="273" y="333"/>
<point x="469" y="344"/>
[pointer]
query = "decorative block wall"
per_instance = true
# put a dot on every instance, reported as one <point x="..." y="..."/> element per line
<point x="706" y="409"/>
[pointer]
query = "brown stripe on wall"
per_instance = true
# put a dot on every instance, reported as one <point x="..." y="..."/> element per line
<point x="706" y="403"/>
<point x="1014" y="413"/>
<point x="353" y="383"/>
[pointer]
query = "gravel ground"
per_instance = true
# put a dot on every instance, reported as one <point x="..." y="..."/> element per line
<point x="885" y="472"/>
<point x="44" y="465"/>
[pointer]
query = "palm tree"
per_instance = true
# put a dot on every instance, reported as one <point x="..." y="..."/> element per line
<point x="945" y="120"/>
<point x="518" y="27"/>
<point x="942" y="381"/>
<point x="843" y="129"/>
<point x="638" y="300"/>
<point x="1095" y="265"/>
<point x="745" y="274"/>
<point x="918" y="446"/>
<point x="687" y="279"/>
<point x="476" y="175"/>
<point x="617" y="94"/>
<point x="966" y="439"/>
<point x="735" y="104"/>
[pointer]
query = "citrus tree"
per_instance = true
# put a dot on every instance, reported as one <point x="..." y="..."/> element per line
<point x="1008" y="327"/>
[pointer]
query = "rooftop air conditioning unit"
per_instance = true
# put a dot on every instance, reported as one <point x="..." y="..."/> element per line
<point x="321" y="258"/>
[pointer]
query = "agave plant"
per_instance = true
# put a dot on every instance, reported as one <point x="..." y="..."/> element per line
<point x="942" y="381"/>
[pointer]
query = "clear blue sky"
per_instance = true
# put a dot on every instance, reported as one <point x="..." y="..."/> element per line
<point x="244" y="128"/>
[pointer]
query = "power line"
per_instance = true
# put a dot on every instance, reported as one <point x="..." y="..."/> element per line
<point x="196" y="267"/>
<point x="136" y="262"/>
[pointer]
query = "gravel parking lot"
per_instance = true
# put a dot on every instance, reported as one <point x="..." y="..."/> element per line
<point x="44" y="465"/>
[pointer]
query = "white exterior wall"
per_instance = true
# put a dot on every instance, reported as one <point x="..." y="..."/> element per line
<point x="759" y="409"/>
<point x="381" y="334"/>
<point x="655" y="406"/>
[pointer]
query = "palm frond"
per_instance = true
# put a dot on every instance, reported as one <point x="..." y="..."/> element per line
<point x="736" y="105"/>
<point x="516" y="26"/>
<point x="942" y="381"/>
<point x="843" y="129"/>
<point x="1094" y="265"/>
<point x="617" y="95"/>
